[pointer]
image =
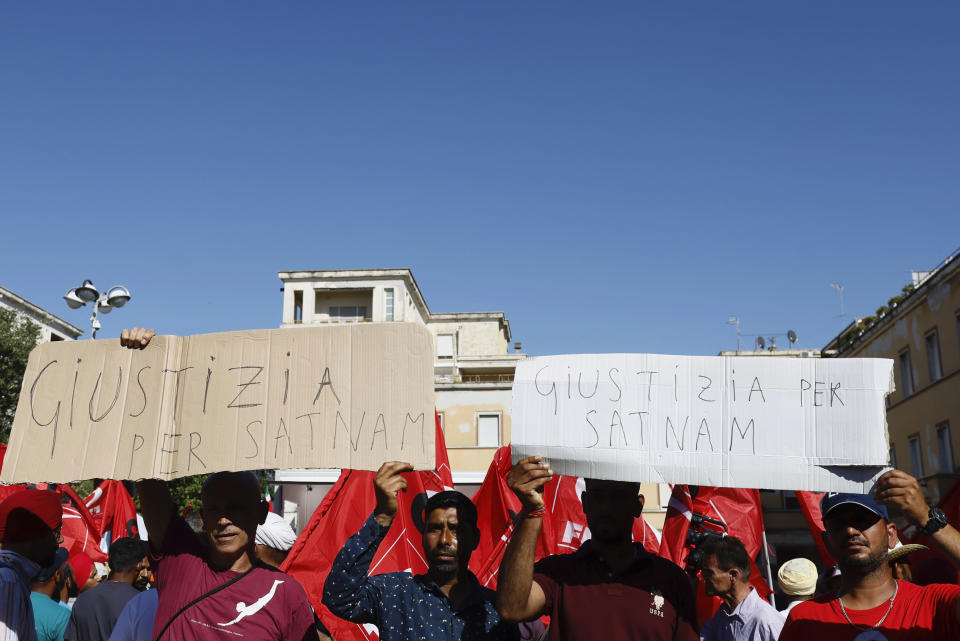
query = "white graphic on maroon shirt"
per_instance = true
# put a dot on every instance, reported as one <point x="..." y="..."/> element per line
<point x="249" y="610"/>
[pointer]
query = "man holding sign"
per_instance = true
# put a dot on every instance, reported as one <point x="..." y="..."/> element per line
<point x="610" y="588"/>
<point x="871" y="605"/>
<point x="206" y="591"/>
<point x="444" y="604"/>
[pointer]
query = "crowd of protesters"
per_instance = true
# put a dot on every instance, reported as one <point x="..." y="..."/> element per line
<point x="219" y="577"/>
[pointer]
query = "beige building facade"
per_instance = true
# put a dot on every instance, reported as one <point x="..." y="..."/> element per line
<point x="919" y="328"/>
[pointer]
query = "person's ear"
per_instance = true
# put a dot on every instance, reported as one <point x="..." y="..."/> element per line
<point x="641" y="500"/>
<point x="892" y="537"/>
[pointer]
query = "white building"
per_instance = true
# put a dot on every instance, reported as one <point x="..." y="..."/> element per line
<point x="473" y="366"/>
<point x="52" y="328"/>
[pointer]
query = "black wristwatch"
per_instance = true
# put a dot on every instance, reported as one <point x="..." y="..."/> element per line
<point x="937" y="520"/>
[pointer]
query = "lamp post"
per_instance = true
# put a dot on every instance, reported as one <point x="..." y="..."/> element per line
<point x="103" y="302"/>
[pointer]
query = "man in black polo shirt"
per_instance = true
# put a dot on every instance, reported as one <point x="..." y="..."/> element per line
<point x="610" y="588"/>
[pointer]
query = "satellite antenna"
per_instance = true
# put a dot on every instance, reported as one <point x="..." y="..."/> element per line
<point x="791" y="336"/>
<point x="761" y="343"/>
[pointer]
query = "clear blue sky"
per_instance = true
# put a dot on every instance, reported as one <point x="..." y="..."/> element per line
<point x="613" y="176"/>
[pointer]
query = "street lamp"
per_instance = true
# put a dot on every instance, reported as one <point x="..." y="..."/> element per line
<point x="103" y="302"/>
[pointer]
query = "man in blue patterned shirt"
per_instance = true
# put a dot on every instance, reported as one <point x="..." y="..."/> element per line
<point x="445" y="603"/>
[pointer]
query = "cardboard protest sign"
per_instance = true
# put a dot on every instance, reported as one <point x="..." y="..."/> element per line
<point x="348" y="396"/>
<point x="778" y="423"/>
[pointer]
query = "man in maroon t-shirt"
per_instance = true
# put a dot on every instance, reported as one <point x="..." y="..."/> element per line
<point x="263" y="603"/>
<point x="610" y="588"/>
<point x="871" y="605"/>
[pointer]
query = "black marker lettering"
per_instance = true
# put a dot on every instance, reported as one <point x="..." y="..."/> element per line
<point x="743" y="434"/>
<point x="704" y="430"/>
<point x="619" y="389"/>
<point x="683" y="433"/>
<point x="704" y="388"/>
<point x="649" y="382"/>
<point x="380" y="422"/>
<point x="349" y="431"/>
<point x="324" y="381"/>
<point x="834" y="395"/>
<point x="309" y="418"/>
<point x="176" y="386"/>
<point x="596" y="434"/>
<point x="817" y="393"/>
<point x="403" y="434"/>
<point x="733" y="385"/>
<point x="33" y="413"/>
<point x="756" y="388"/>
<point x="595" y="387"/>
<point x="133" y="450"/>
<point x="552" y="390"/>
<point x="803" y="389"/>
<point x="253" y="439"/>
<point x="93" y="394"/>
<point x="73" y="393"/>
<point x="615" y="421"/>
<point x="142" y="391"/>
<point x="193" y="455"/>
<point x="676" y="397"/>
<point x="282" y="433"/>
<point x="243" y="386"/>
<point x="164" y="450"/>
<point x="640" y="414"/>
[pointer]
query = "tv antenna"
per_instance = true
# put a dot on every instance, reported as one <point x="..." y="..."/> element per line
<point x="839" y="289"/>
<point x="735" y="320"/>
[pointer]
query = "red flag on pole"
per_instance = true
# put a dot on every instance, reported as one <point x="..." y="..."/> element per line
<point x="341" y="514"/>
<point x="79" y="528"/>
<point x="810" y="506"/>
<point x="113" y="512"/>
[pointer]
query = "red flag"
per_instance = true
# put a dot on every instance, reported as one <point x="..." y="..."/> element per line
<point x="738" y="508"/>
<point x="341" y="514"/>
<point x="564" y="524"/>
<point x="113" y="512"/>
<point x="810" y="506"/>
<point x="931" y="566"/>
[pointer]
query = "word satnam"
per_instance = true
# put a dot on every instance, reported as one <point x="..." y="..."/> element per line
<point x="678" y="432"/>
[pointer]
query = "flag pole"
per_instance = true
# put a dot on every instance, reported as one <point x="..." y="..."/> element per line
<point x="766" y="556"/>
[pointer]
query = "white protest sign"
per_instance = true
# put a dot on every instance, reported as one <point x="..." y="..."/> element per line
<point x="736" y="421"/>
<point x="349" y="396"/>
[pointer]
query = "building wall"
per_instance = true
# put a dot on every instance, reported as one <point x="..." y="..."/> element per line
<point x="52" y="328"/>
<point x="460" y="409"/>
<point x="933" y="402"/>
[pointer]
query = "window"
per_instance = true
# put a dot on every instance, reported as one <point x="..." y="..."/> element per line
<point x="388" y="305"/>
<point x="916" y="457"/>
<point x="893" y="457"/>
<point x="349" y="314"/>
<point x="932" y="341"/>
<point x="944" y="449"/>
<point x="445" y="346"/>
<point x="298" y="306"/>
<point x="488" y="430"/>
<point x="906" y="372"/>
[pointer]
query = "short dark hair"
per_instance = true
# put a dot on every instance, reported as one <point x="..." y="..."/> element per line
<point x="125" y="553"/>
<point x="597" y="484"/>
<point x="242" y="480"/>
<point x="466" y="510"/>
<point x="730" y="553"/>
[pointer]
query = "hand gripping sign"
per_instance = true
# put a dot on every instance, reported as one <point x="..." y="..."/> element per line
<point x="348" y="396"/>
<point x="734" y="421"/>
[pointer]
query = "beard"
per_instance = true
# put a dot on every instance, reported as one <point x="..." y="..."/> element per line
<point x="863" y="565"/>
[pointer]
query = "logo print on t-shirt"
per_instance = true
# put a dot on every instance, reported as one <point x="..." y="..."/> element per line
<point x="249" y="610"/>
<point x="658" y="602"/>
<point x="871" y="635"/>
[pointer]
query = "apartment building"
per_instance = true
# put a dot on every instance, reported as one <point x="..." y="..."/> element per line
<point x="919" y="328"/>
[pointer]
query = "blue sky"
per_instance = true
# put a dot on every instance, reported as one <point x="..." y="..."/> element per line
<point x="614" y="177"/>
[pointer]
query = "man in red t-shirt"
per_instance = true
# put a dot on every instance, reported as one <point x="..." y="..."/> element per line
<point x="611" y="588"/>
<point x="871" y="605"/>
<point x="262" y="603"/>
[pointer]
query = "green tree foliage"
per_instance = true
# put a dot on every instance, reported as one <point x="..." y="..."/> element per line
<point x="17" y="337"/>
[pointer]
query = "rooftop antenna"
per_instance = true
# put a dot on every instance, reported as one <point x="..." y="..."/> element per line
<point x="735" y="320"/>
<point x="791" y="336"/>
<point x="839" y="288"/>
<point x="761" y="343"/>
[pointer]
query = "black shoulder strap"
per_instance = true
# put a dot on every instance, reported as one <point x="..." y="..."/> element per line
<point x="203" y="596"/>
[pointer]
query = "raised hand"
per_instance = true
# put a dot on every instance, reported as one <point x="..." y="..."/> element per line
<point x="527" y="479"/>
<point x="900" y="490"/>
<point x="387" y="484"/>
<point x="136" y="337"/>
